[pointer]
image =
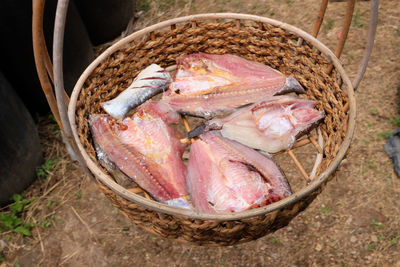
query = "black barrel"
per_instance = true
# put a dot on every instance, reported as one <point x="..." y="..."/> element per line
<point x="20" y="153"/>
<point x="105" y="19"/>
<point x="17" y="61"/>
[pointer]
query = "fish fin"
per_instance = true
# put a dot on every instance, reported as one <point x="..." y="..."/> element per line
<point x="197" y="131"/>
<point x="291" y="85"/>
<point x="204" y="127"/>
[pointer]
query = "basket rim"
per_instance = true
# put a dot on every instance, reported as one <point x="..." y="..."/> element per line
<point x="163" y="208"/>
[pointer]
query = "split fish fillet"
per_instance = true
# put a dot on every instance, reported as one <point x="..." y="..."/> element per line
<point x="206" y="85"/>
<point x="147" y="150"/>
<point x="271" y="125"/>
<point x="225" y="176"/>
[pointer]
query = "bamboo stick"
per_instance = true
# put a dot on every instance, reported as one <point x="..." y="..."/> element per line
<point x="299" y="166"/>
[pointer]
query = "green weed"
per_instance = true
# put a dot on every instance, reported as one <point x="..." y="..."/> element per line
<point x="371" y="246"/>
<point x="371" y="164"/>
<point x="373" y="111"/>
<point x="289" y="2"/>
<point x="272" y="12"/>
<point x="370" y="124"/>
<point x="143" y="5"/>
<point x="46" y="223"/>
<point x="54" y="129"/>
<point x="43" y="170"/>
<point x="356" y="19"/>
<point x="51" y="117"/>
<point x="329" y="24"/>
<point x="11" y="220"/>
<point x="395" y="121"/>
<point x="274" y="240"/>
<point x="325" y="210"/>
<point x="395" y="239"/>
<point x="182" y="3"/>
<point x="384" y="135"/>
<point x="377" y="225"/>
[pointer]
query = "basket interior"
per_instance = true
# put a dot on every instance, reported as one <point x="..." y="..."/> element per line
<point x="253" y="40"/>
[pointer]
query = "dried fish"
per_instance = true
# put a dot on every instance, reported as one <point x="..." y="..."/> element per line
<point x="207" y="85"/>
<point x="225" y="176"/>
<point x="147" y="150"/>
<point x="150" y="81"/>
<point x="271" y="125"/>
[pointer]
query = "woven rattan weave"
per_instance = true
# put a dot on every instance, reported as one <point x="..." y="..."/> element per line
<point x="281" y="46"/>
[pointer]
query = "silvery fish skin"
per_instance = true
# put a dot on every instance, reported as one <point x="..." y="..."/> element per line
<point x="150" y="81"/>
<point x="226" y="176"/>
<point x="147" y="150"/>
<point x="207" y="85"/>
<point x="271" y="125"/>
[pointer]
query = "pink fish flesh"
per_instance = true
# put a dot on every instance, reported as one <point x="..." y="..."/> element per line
<point x="147" y="150"/>
<point x="271" y="125"/>
<point x="225" y="176"/>
<point x="206" y="85"/>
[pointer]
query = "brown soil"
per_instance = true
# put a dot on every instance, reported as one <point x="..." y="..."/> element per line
<point x="355" y="221"/>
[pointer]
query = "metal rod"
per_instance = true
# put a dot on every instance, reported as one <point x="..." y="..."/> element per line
<point x="373" y="22"/>
<point x="39" y="55"/>
<point x="345" y="31"/>
<point x="320" y="18"/>
<point x="346" y="27"/>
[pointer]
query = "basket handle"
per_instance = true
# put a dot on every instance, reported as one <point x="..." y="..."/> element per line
<point x="43" y="63"/>
<point x="59" y="102"/>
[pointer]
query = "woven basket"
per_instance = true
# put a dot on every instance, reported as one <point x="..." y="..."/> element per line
<point x="259" y="39"/>
<point x="276" y="44"/>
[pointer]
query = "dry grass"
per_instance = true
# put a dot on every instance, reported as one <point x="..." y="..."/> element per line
<point x="46" y="195"/>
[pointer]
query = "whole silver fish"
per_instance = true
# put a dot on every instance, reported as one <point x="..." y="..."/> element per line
<point x="150" y="81"/>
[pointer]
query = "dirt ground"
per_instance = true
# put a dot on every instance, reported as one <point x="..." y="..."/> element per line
<point x="355" y="221"/>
